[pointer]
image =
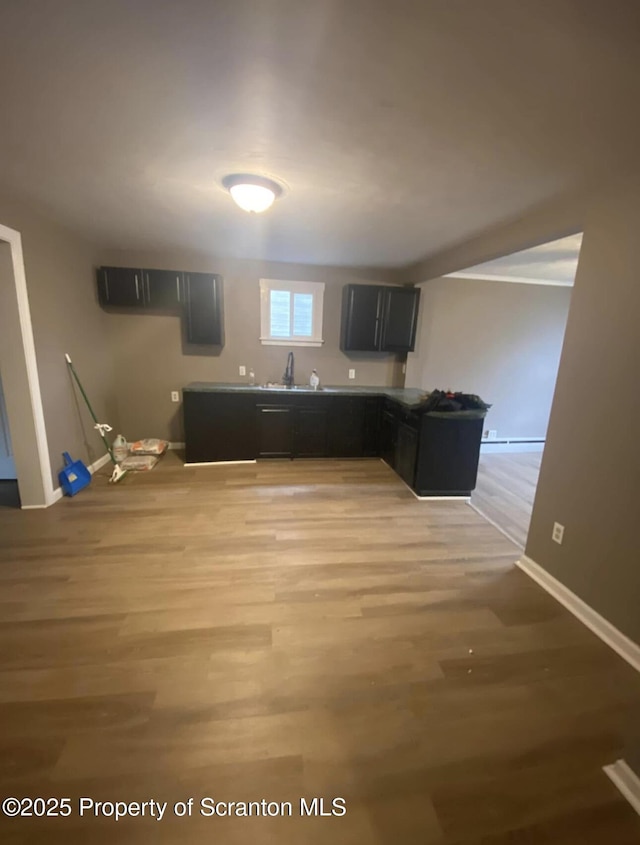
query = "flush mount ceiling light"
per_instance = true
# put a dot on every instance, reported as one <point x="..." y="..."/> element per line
<point x="252" y="193"/>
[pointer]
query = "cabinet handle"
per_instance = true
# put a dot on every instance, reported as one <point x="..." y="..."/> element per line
<point x="106" y="284"/>
<point x="376" y="336"/>
<point x="274" y="410"/>
<point x="137" y="289"/>
<point x="178" y="288"/>
<point x="148" y="290"/>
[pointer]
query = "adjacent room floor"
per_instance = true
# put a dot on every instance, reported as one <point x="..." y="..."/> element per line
<point x="298" y="629"/>
<point x="505" y="492"/>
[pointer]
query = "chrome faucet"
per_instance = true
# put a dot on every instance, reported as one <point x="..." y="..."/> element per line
<point x="287" y="378"/>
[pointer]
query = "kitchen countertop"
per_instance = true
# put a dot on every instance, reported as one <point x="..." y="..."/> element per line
<point x="410" y="397"/>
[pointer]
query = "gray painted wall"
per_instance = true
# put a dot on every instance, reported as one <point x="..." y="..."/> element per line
<point x="150" y="359"/>
<point x="66" y="318"/>
<point x="501" y="341"/>
<point x="591" y="465"/>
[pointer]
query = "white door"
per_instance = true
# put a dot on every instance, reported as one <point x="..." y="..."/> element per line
<point x="7" y="466"/>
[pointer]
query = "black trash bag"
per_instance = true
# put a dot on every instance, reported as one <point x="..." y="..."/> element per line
<point x="441" y="403"/>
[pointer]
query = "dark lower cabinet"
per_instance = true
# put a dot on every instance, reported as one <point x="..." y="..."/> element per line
<point x="406" y="452"/>
<point x="448" y="457"/>
<point x="371" y="434"/>
<point x="163" y="289"/>
<point x="219" y="426"/>
<point x="310" y="432"/>
<point x="275" y="431"/>
<point x="203" y="308"/>
<point x="121" y="287"/>
<point x="435" y="456"/>
<point x="388" y="435"/>
<point x="346" y="427"/>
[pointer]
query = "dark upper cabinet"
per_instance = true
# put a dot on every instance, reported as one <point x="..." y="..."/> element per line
<point x="361" y="314"/>
<point x="377" y="318"/>
<point x="399" y="319"/>
<point x="203" y="308"/>
<point x="121" y="286"/>
<point x="163" y="288"/>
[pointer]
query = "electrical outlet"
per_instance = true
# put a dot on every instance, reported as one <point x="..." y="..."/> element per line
<point x="175" y="396"/>
<point x="492" y="434"/>
<point x="352" y="373"/>
<point x="557" y="533"/>
<point x="243" y="370"/>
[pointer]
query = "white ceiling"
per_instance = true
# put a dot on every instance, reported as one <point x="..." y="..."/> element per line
<point x="553" y="263"/>
<point x="397" y="128"/>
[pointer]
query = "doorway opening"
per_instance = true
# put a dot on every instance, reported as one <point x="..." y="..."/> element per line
<point x="23" y="439"/>
<point x="9" y="495"/>
<point x="496" y="330"/>
<point x="524" y="377"/>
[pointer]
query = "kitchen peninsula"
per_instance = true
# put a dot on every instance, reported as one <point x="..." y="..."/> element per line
<point x="435" y="456"/>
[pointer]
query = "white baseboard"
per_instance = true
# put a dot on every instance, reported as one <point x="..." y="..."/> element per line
<point x="218" y="463"/>
<point x="487" y="447"/>
<point x="626" y="780"/>
<point x="600" y="626"/>
<point x="464" y="499"/>
<point x="58" y="494"/>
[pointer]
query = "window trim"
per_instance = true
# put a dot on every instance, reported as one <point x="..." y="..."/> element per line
<point x="315" y="288"/>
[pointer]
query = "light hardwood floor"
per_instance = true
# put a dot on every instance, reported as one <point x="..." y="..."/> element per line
<point x="298" y="629"/>
<point x="505" y="491"/>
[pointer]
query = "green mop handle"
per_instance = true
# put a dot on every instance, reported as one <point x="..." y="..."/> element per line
<point x="88" y="404"/>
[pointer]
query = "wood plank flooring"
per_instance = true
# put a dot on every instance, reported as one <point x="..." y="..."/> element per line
<point x="505" y="491"/>
<point x="297" y="629"/>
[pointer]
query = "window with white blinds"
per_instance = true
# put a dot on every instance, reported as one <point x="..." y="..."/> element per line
<point x="291" y="312"/>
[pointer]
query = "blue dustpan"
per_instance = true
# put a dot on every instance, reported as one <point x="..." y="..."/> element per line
<point x="74" y="477"/>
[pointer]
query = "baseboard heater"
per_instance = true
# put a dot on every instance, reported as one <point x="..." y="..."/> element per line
<point x="515" y="440"/>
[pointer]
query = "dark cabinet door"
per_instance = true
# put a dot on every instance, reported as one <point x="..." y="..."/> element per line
<point x="448" y="456"/>
<point x="121" y="286"/>
<point x="310" y="432"/>
<point x="219" y="426"/>
<point x="406" y="453"/>
<point x="163" y="288"/>
<point x="203" y="308"/>
<point x="361" y="318"/>
<point x="371" y="436"/>
<point x="400" y="319"/>
<point x="388" y="433"/>
<point x="275" y="431"/>
<point x="346" y="427"/>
